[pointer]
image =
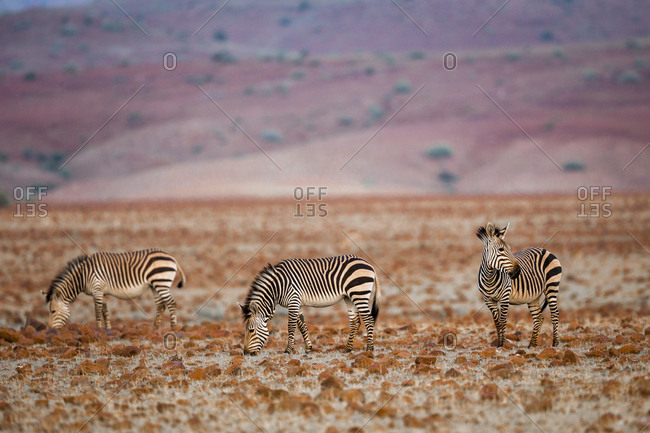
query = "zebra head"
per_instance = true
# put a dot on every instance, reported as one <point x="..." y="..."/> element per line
<point x="256" y="331"/>
<point x="496" y="251"/>
<point x="64" y="290"/>
<point x="59" y="312"/>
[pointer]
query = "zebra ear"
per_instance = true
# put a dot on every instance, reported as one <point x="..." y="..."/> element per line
<point x="502" y="232"/>
<point x="490" y="229"/>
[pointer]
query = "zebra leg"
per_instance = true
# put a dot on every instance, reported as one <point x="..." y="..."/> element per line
<point x="503" y="319"/>
<point x="171" y="306"/>
<point x="160" y="308"/>
<point x="538" y="319"/>
<point x="107" y="318"/>
<point x="303" y="330"/>
<point x="98" y="297"/>
<point x="292" y="322"/>
<point x="555" y="317"/>
<point x="355" y="323"/>
<point x="494" y="309"/>
<point x="369" y="322"/>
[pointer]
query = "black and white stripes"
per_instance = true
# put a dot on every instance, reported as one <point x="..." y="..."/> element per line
<point x="122" y="275"/>
<point x="531" y="276"/>
<point x="315" y="283"/>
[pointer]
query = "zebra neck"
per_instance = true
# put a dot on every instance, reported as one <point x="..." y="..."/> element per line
<point x="489" y="277"/>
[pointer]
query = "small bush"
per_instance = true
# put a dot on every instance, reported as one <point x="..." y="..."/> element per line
<point x="402" y="86"/>
<point x="298" y="75"/>
<point x="249" y="90"/>
<point x="447" y="177"/>
<point x="284" y="22"/>
<point x="417" y="55"/>
<point x="134" y="119"/>
<point x="559" y="53"/>
<point x="345" y="121"/>
<point x="4" y="157"/>
<point x="224" y="56"/>
<point x="591" y="75"/>
<point x="628" y="77"/>
<point x="547" y="36"/>
<point x="573" y="165"/>
<point x="5" y="199"/>
<point x="29" y="76"/>
<point x="272" y="136"/>
<point x="369" y="70"/>
<point x="112" y="26"/>
<point x="200" y="80"/>
<point x="375" y="112"/>
<point x="15" y="64"/>
<point x="632" y="44"/>
<point x="440" y="151"/>
<point x="21" y="25"/>
<point x="88" y="21"/>
<point x="513" y="56"/>
<point x="304" y="6"/>
<point x="220" y="36"/>
<point x="69" y="31"/>
<point x="70" y="68"/>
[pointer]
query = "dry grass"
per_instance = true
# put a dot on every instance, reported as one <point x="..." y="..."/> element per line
<point x="135" y="377"/>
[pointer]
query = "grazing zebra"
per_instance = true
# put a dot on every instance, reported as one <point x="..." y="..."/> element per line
<point x="531" y="276"/>
<point x="122" y="275"/>
<point x="314" y="283"/>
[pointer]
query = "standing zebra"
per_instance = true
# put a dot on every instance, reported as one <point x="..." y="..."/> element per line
<point x="314" y="283"/>
<point x="122" y="275"/>
<point x="531" y="276"/>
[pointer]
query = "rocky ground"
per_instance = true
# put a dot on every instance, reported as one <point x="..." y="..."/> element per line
<point x="434" y="367"/>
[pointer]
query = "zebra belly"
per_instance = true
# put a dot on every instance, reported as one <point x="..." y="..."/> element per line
<point x="518" y="299"/>
<point x="126" y="292"/>
<point x="320" y="303"/>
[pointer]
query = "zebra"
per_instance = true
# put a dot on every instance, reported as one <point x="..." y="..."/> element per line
<point x="314" y="283"/>
<point x="122" y="275"/>
<point x="531" y="276"/>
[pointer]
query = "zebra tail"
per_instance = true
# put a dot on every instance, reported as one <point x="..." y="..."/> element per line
<point x="181" y="281"/>
<point x="376" y="301"/>
<point x="543" y="307"/>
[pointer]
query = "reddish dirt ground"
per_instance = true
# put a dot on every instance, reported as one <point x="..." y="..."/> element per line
<point x="433" y="368"/>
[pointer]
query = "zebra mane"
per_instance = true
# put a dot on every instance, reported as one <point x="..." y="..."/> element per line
<point x="257" y="283"/>
<point x="487" y="231"/>
<point x="65" y="273"/>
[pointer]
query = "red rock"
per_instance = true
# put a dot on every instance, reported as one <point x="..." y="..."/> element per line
<point x="68" y="354"/>
<point x="410" y="421"/>
<point x="81" y="399"/>
<point x="9" y="335"/>
<point x="198" y="374"/>
<point x="126" y="351"/>
<point x="503" y="370"/>
<point x="173" y="368"/>
<point x="234" y="370"/>
<point x="490" y="352"/>
<point x="330" y="381"/>
<point x="91" y="368"/>
<point x="164" y="407"/>
<point x="350" y="395"/>
<point x="548" y="352"/>
<point x="452" y="372"/>
<point x="378" y="368"/>
<point x="426" y="360"/>
<point x="629" y="348"/>
<point x="517" y="360"/>
<point x="362" y="361"/>
<point x="570" y="358"/>
<point x="489" y="392"/>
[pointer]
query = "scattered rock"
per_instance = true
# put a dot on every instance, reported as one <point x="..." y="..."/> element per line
<point x="489" y="392"/>
<point x="548" y="352"/>
<point x="9" y="335"/>
<point x="328" y="380"/>
<point x="629" y="348"/>
<point x="452" y="372"/>
<point x="426" y="360"/>
<point x="126" y="351"/>
<point x="570" y="358"/>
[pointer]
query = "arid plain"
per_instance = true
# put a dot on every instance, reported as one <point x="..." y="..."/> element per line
<point x="433" y="369"/>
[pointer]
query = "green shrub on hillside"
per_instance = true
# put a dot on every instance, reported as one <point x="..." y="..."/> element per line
<point x="573" y="165"/>
<point x="441" y="150"/>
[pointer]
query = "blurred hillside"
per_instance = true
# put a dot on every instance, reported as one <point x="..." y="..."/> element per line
<point x="159" y="99"/>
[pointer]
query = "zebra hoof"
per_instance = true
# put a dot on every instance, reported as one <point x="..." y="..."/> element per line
<point x="288" y="351"/>
<point x="556" y="343"/>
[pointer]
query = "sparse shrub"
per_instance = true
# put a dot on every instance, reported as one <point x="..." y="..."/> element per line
<point x="19" y="26"/>
<point x="375" y="112"/>
<point x="272" y="136"/>
<point x="547" y="36"/>
<point x="417" y="55"/>
<point x="224" y="56"/>
<point x="591" y="75"/>
<point x="28" y="153"/>
<point x="632" y="44"/>
<point x="69" y="31"/>
<point x="29" y="76"/>
<point x="124" y="63"/>
<point x="197" y="149"/>
<point x="134" y="119"/>
<point x="4" y="157"/>
<point x="200" y="80"/>
<point x="440" y="150"/>
<point x="559" y="53"/>
<point x="573" y="165"/>
<point x="640" y="63"/>
<point x="298" y="75"/>
<point x="402" y="86"/>
<point x="249" y="90"/>
<point x="51" y="162"/>
<point x="88" y="21"/>
<point x="304" y="6"/>
<point x="345" y="121"/>
<point x="284" y="22"/>
<point x="313" y="63"/>
<point x="70" y="68"/>
<point x="549" y="125"/>
<point x="389" y="60"/>
<point x="15" y="64"/>
<point x="513" y="56"/>
<point x="447" y="177"/>
<point x="283" y="87"/>
<point x="119" y="79"/>
<point x="628" y="77"/>
<point x="110" y="26"/>
<point x="5" y="199"/>
<point x="220" y="35"/>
